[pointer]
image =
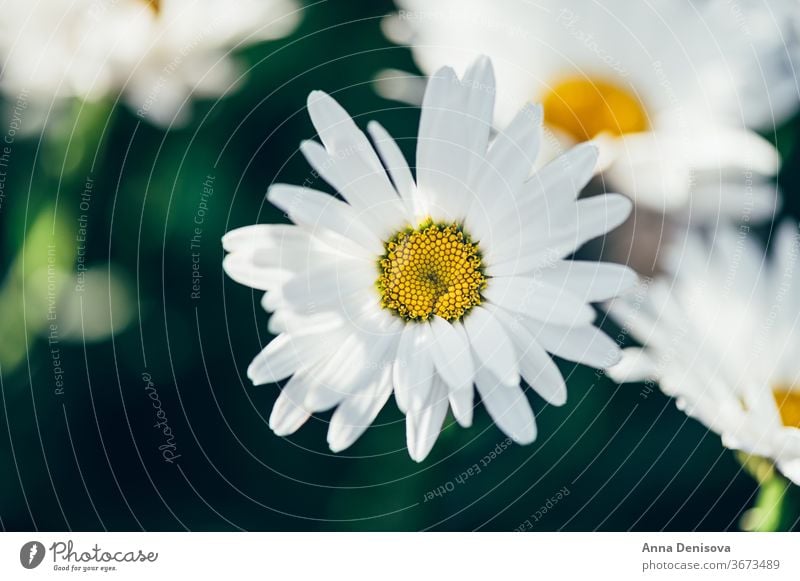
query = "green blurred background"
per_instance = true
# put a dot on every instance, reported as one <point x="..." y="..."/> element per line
<point x="78" y="446"/>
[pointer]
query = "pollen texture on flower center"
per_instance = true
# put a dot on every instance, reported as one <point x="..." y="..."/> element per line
<point x="584" y="107"/>
<point x="788" y="401"/>
<point x="431" y="270"/>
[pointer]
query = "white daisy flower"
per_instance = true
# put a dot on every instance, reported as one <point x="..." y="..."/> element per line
<point x="672" y="91"/>
<point x="156" y="53"/>
<point x="722" y="337"/>
<point x="429" y="286"/>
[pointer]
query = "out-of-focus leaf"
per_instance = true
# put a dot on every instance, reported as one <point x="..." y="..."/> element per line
<point x="29" y="294"/>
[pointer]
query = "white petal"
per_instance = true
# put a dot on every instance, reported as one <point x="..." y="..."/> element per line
<point x="514" y="150"/>
<point x="366" y="189"/>
<point x="547" y="200"/>
<point x="302" y="324"/>
<point x="717" y="148"/>
<point x="479" y="83"/>
<point x="413" y="369"/>
<point x="352" y="166"/>
<point x="521" y="262"/>
<point x="492" y="197"/>
<point x="451" y="354"/>
<point x="562" y="179"/>
<point x="600" y="214"/>
<point x="659" y="167"/>
<point x="633" y="316"/>
<point x="454" y="128"/>
<point x="283" y="356"/>
<point x="590" y="281"/>
<point x="423" y="425"/>
<point x="491" y="345"/>
<point x="461" y="401"/>
<point x="542" y="374"/>
<point x="356" y="413"/>
<point x="395" y="163"/>
<point x="288" y="413"/>
<point x="636" y="365"/>
<point x="338" y="131"/>
<point x="319" y="210"/>
<point x="263" y="256"/>
<point x="264" y="236"/>
<point x="327" y="286"/>
<point x="541" y="302"/>
<point x="587" y="345"/>
<point x="501" y="175"/>
<point x="243" y="269"/>
<point x="555" y="233"/>
<point x="535" y="365"/>
<point x="508" y="407"/>
<point x="595" y="216"/>
<point x="791" y="469"/>
<point x="354" y="364"/>
<point x="442" y="160"/>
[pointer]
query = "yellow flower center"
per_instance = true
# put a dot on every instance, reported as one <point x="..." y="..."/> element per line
<point x="788" y="400"/>
<point x="155" y="5"/>
<point x="583" y="108"/>
<point x="431" y="270"/>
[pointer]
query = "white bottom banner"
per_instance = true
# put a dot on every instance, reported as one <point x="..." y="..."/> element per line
<point x="401" y="556"/>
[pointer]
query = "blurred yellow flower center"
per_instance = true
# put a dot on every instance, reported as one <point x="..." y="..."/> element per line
<point x="788" y="401"/>
<point x="155" y="5"/>
<point x="583" y="108"/>
<point x="431" y="270"/>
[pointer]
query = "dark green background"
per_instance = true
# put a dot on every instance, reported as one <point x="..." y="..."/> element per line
<point x="88" y="459"/>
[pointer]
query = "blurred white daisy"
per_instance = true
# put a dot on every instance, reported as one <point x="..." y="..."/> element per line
<point x="723" y="338"/>
<point x="156" y="53"/>
<point x="671" y="90"/>
<point x="427" y="286"/>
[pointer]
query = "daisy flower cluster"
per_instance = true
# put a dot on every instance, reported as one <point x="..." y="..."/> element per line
<point x="431" y="281"/>
<point x="568" y="184"/>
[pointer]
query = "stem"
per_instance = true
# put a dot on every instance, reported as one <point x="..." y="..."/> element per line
<point x="770" y="505"/>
